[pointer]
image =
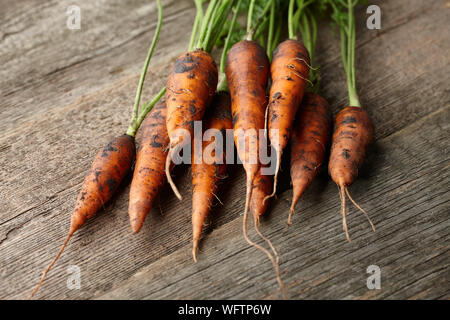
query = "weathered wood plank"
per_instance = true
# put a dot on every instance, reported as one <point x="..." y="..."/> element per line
<point x="63" y="96"/>
<point x="44" y="65"/>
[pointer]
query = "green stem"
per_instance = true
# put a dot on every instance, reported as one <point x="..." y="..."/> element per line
<point x="137" y="99"/>
<point x="291" y="29"/>
<point x="226" y="45"/>
<point x="270" y="32"/>
<point x="209" y="30"/>
<point x="262" y="27"/>
<point x="205" y="22"/>
<point x="222" y="85"/>
<point x="344" y="51"/>
<point x="132" y="129"/>
<point x="313" y="22"/>
<point x="249" y="20"/>
<point x="197" y="22"/>
<point x="277" y="35"/>
<point x="262" y="17"/>
<point x="219" y="20"/>
<point x="351" y="39"/>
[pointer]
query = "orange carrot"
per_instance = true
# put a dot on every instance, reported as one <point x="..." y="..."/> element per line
<point x="190" y="88"/>
<point x="247" y="69"/>
<point x="107" y="171"/>
<point x="247" y="73"/>
<point x="352" y="134"/>
<point x="207" y="174"/>
<point x="149" y="175"/>
<point x="310" y="138"/>
<point x="353" y="129"/>
<point x="289" y="71"/>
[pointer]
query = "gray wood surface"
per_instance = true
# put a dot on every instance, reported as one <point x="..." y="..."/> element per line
<point x="64" y="93"/>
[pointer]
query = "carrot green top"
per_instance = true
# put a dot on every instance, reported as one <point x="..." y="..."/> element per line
<point x="344" y="16"/>
<point x="137" y="116"/>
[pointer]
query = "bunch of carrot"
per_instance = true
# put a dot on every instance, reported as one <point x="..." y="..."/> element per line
<point x="265" y="90"/>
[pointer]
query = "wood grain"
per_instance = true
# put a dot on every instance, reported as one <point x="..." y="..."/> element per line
<point x="64" y="93"/>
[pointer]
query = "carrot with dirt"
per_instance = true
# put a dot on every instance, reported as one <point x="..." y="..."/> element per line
<point x="289" y="72"/>
<point x="247" y="73"/>
<point x="309" y="142"/>
<point x="192" y="82"/>
<point x="149" y="175"/>
<point x="353" y="129"/>
<point x="208" y="173"/>
<point x="211" y="170"/>
<point x="110" y="166"/>
<point x="312" y="126"/>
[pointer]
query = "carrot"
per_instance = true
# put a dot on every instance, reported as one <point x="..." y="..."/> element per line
<point x="107" y="172"/>
<point x="352" y="135"/>
<point x="353" y="129"/>
<point x="149" y="175"/>
<point x="111" y="163"/>
<point x="247" y="70"/>
<point x="247" y="74"/>
<point x="310" y="138"/>
<point x="289" y="72"/>
<point x="206" y="176"/>
<point x="190" y="88"/>
<point x="193" y="81"/>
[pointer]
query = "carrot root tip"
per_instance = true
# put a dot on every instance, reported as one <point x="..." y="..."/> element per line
<point x="41" y="281"/>
<point x="342" y="189"/>
<point x="195" y="251"/>
<point x="257" y="246"/>
<point x="291" y="212"/>
<point x="360" y="209"/>
<point x="275" y="178"/>
<point x="169" y="177"/>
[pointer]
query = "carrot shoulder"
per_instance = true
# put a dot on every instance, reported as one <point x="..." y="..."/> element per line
<point x="149" y="175"/>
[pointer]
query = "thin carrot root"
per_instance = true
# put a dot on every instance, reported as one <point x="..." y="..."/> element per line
<point x="35" y="290"/>
<point x="298" y="74"/>
<point x="266" y="121"/>
<point x="291" y="213"/>
<point x="220" y="201"/>
<point x="305" y="62"/>
<point x="267" y="240"/>
<point x="361" y="209"/>
<point x="195" y="249"/>
<point x="342" y="192"/>
<point x="169" y="177"/>
<point x="257" y="246"/>
<point x="275" y="178"/>
<point x="344" y="214"/>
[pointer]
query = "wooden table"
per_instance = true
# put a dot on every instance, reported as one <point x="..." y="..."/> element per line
<point x="65" y="93"/>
